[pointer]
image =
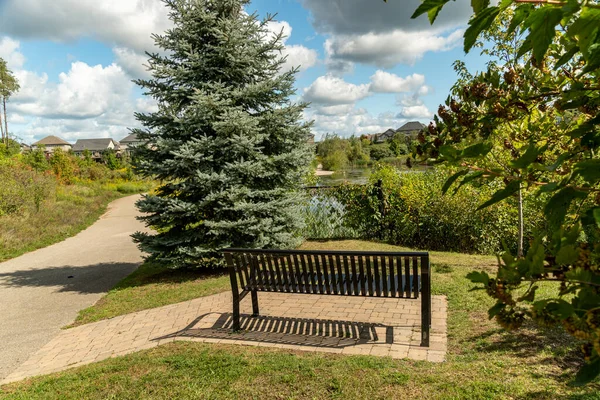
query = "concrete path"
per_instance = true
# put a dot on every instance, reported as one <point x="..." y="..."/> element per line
<point x="42" y="291"/>
<point x="345" y="325"/>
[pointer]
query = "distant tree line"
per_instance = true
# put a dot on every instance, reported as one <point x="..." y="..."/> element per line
<point x="337" y="153"/>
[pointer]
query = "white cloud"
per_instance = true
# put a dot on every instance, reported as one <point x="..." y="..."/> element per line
<point x="355" y="122"/>
<point x="413" y="107"/>
<point x="83" y="92"/>
<point x="417" y="112"/>
<point x="9" y="52"/>
<point x="360" y="16"/>
<point x="385" y="82"/>
<point x="331" y="90"/>
<point x="132" y="62"/>
<point x="126" y="23"/>
<point x="297" y="55"/>
<point x="335" y="110"/>
<point x="87" y="101"/>
<point x="146" y="105"/>
<point x="15" y="118"/>
<point x="388" y="49"/>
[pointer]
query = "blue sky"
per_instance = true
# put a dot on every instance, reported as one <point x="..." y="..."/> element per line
<point x="365" y="65"/>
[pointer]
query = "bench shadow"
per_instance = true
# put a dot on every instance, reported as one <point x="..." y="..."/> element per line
<point x="284" y="330"/>
<point x="96" y="278"/>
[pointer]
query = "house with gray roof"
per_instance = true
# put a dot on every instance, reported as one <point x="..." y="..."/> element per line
<point x="129" y="141"/>
<point x="413" y="127"/>
<point x="385" y="136"/>
<point x="50" y="143"/>
<point x="96" y="146"/>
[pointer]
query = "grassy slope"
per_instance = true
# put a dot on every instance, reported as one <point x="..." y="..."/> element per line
<point x="75" y="208"/>
<point x="153" y="286"/>
<point x="484" y="362"/>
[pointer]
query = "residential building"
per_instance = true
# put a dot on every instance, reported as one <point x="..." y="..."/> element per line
<point x="385" y="136"/>
<point x="96" y="147"/>
<point x="129" y="141"/>
<point x="411" y="128"/>
<point x="50" y="143"/>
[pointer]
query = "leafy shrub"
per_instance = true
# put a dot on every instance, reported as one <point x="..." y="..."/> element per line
<point x="21" y="188"/>
<point x="411" y="210"/>
<point x="335" y="161"/>
<point x="325" y="218"/>
<point x="381" y="151"/>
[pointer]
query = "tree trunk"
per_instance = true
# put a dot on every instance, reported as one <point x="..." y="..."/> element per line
<point x="520" y="244"/>
<point x="1" y="127"/>
<point x="5" y="121"/>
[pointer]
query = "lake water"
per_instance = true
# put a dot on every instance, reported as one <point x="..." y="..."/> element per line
<point x="357" y="176"/>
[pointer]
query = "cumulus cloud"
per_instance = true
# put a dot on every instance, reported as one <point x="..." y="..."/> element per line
<point x="122" y="23"/>
<point x="296" y="55"/>
<point x="355" y="122"/>
<point x="134" y="63"/>
<point x="412" y="106"/>
<point x="9" y="52"/>
<point x="360" y="16"/>
<point x="388" y="49"/>
<point x="331" y="90"/>
<point x="385" y="82"/>
<point x="84" y="92"/>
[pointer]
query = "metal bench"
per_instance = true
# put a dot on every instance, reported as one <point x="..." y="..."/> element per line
<point x="341" y="273"/>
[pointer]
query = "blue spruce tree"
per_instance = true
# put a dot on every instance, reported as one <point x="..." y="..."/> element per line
<point x="226" y="142"/>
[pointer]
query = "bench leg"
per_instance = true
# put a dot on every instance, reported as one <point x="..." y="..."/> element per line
<point x="255" y="311"/>
<point x="236" y="313"/>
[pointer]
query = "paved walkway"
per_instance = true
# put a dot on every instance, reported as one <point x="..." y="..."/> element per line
<point x="345" y="325"/>
<point x="42" y="291"/>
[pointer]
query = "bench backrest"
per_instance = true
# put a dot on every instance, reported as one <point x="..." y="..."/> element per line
<point x="347" y="273"/>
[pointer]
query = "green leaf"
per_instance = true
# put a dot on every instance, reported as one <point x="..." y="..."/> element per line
<point x="589" y="170"/>
<point x="521" y="13"/>
<point x="557" y="207"/>
<point x="479" y="277"/>
<point x="478" y="24"/>
<point x="565" y="58"/>
<point x="550" y="187"/>
<point x="453" y="179"/>
<point x="592" y="217"/>
<point x="492" y="312"/>
<point x="477" y="150"/>
<point x="468" y="179"/>
<point x="541" y="24"/>
<point x="449" y="152"/>
<point x="561" y="308"/>
<point x="585" y="28"/>
<point x="502" y="194"/>
<point x="562" y="158"/>
<point x="478" y="5"/>
<point x="528" y="158"/>
<point x="529" y="296"/>
<point x="593" y="61"/>
<point x="431" y="7"/>
<point x="587" y="373"/>
<point x="567" y="255"/>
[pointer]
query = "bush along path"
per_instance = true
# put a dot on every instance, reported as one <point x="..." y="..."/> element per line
<point x="42" y="291"/>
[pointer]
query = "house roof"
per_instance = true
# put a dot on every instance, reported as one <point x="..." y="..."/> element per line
<point x="52" y="141"/>
<point x="94" y="144"/>
<point x="129" y="139"/>
<point x="411" y="127"/>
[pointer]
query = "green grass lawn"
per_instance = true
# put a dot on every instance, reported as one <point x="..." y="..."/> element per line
<point x="483" y="362"/>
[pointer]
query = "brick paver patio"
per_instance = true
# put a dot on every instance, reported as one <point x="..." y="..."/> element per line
<point x="344" y="325"/>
